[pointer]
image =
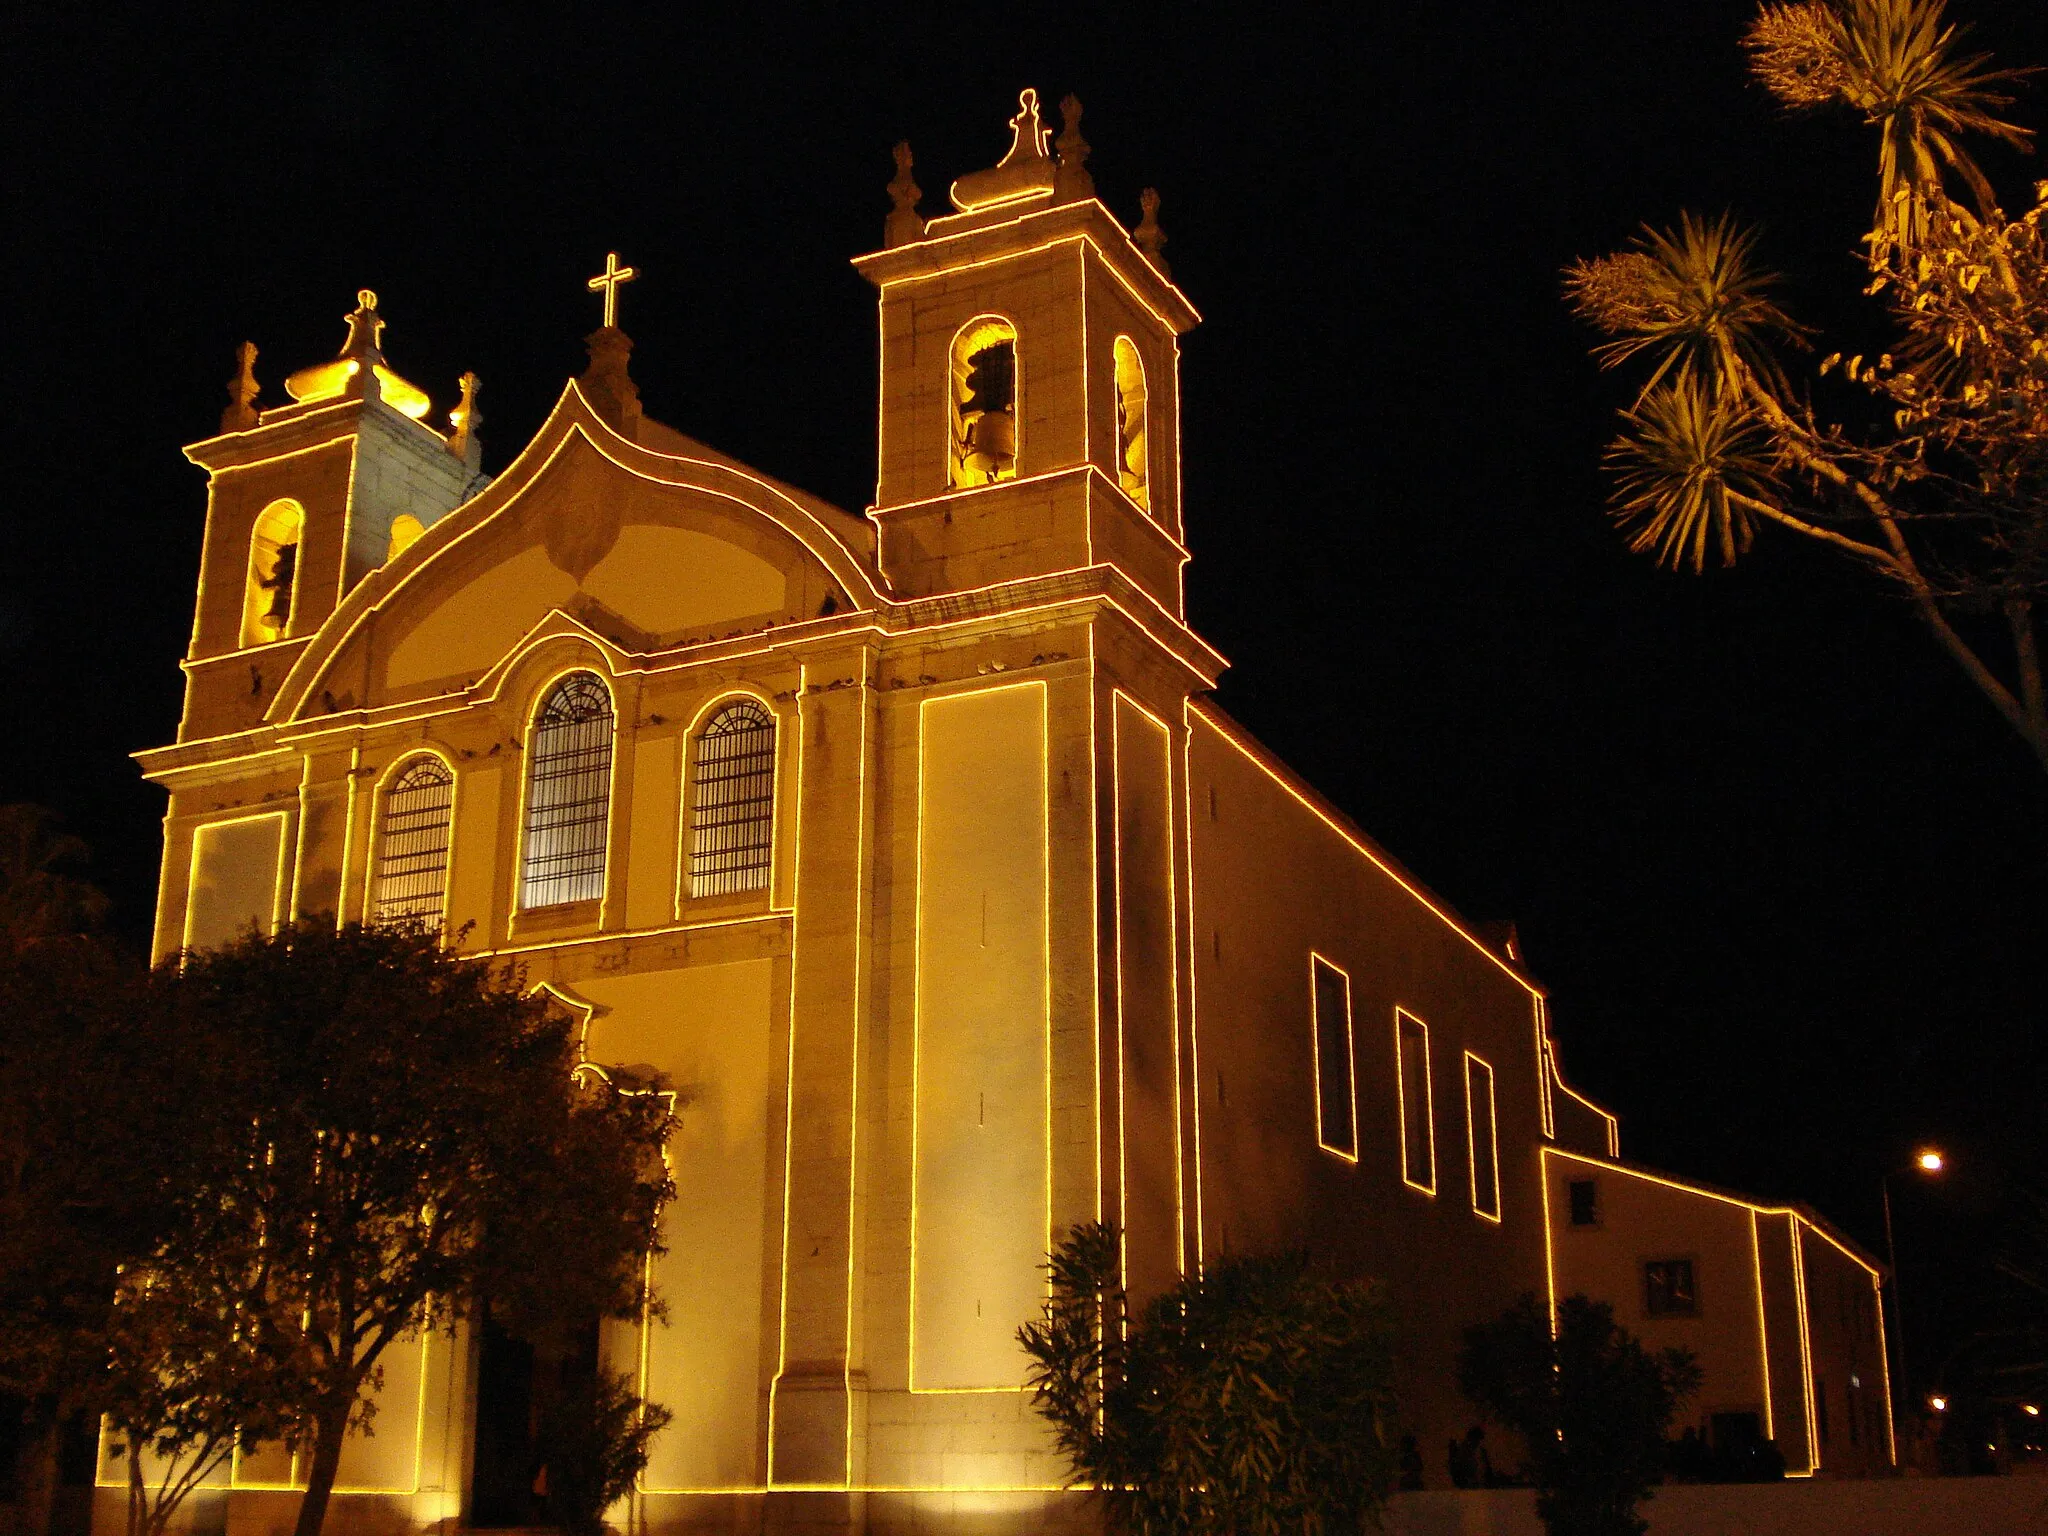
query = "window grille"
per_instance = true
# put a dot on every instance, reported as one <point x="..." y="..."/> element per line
<point x="412" y="850"/>
<point x="568" y="794"/>
<point x="732" y="804"/>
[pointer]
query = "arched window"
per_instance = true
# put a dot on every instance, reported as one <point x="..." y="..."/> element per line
<point x="732" y="801"/>
<point x="273" y="573"/>
<point x="412" y="843"/>
<point x="984" y="394"/>
<point x="1132" y="469"/>
<point x="568" y="793"/>
<point x="405" y="528"/>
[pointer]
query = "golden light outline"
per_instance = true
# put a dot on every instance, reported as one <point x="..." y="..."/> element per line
<point x="1187" y="785"/>
<point x="1117" y="697"/>
<point x="789" y="1085"/>
<point x="917" y="999"/>
<point x="1798" y="1222"/>
<point x="277" y="893"/>
<point x="1229" y="731"/>
<point x="1472" y="1059"/>
<point x="1079" y="237"/>
<point x="572" y="418"/>
<point x="1763" y="1332"/>
<point x="1082" y="470"/>
<point x="1428" y="1098"/>
<point x="1315" y="1030"/>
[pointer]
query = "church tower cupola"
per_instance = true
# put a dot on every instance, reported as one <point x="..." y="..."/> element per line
<point x="1029" y="419"/>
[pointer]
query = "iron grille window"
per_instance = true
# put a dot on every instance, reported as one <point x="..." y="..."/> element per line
<point x="412" y="848"/>
<point x="732" y="803"/>
<point x="568" y="794"/>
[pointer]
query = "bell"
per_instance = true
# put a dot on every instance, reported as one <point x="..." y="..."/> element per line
<point x="990" y="445"/>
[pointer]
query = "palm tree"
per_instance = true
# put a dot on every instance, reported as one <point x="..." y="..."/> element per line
<point x="1950" y="506"/>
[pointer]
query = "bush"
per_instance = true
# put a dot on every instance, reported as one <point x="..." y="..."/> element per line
<point x="1592" y="1404"/>
<point x="593" y="1439"/>
<point x="1253" y="1399"/>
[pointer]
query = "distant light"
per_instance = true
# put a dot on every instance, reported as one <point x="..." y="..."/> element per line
<point x="2030" y="1410"/>
<point x="1939" y="1404"/>
<point x="1929" y="1161"/>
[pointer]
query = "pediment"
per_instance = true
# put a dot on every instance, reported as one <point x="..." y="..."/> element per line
<point x="650" y="550"/>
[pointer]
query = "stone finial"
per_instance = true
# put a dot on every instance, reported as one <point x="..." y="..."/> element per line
<point x="1026" y="169"/>
<point x="1072" y="183"/>
<point x="904" y="224"/>
<point x="240" y="415"/>
<point x="365" y="330"/>
<point x="465" y="419"/>
<point x="1148" y="236"/>
<point x="607" y="384"/>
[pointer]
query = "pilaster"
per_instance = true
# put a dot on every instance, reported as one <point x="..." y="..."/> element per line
<point x="812" y="1415"/>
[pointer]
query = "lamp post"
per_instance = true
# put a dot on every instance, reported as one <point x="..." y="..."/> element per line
<point x="1930" y="1162"/>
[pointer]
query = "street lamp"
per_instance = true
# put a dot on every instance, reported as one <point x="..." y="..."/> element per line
<point x="1928" y="1161"/>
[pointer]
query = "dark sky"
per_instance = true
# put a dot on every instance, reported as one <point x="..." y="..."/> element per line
<point x="1782" y="870"/>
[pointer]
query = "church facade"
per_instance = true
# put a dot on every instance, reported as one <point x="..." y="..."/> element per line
<point x="910" y="852"/>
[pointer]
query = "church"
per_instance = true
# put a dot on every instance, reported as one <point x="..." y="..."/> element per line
<point x="909" y="850"/>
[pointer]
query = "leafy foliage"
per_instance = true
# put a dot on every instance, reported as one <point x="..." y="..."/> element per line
<point x="593" y="1438"/>
<point x="1936" y="479"/>
<point x="1592" y="1405"/>
<point x="1253" y="1399"/>
<point x="415" y="1140"/>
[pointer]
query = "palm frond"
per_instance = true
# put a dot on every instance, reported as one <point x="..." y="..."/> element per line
<point x="1684" y="450"/>
<point x="1902" y="66"/>
<point x="1693" y="296"/>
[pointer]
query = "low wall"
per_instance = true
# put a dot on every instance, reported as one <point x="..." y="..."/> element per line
<point x="1892" y="1506"/>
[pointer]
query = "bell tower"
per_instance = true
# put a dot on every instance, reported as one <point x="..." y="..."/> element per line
<point x="1030" y="410"/>
<point x="304" y="500"/>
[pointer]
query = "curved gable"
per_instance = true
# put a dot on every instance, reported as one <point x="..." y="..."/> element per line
<point x="650" y="550"/>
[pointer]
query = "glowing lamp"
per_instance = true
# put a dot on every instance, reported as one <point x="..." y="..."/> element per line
<point x="1938" y="1404"/>
<point x="1929" y="1161"/>
<point x="2030" y="1410"/>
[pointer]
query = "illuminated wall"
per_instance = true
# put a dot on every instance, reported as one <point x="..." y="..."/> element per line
<point x="980" y="1195"/>
<point x="1785" y="1322"/>
<point x="708" y="1032"/>
<point x="238" y="878"/>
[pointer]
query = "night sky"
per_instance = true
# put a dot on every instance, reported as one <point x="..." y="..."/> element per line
<point x="1782" y="870"/>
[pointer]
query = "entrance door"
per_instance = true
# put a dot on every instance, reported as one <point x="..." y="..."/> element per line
<point x="515" y="1385"/>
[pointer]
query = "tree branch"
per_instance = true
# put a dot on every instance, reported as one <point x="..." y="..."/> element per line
<point x="1798" y="443"/>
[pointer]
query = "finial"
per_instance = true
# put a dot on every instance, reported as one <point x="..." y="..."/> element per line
<point x="1148" y="236"/>
<point x="358" y="371"/>
<point x="1026" y="169"/>
<point x="1073" y="182"/>
<point x="1027" y="134"/>
<point x="465" y="418"/>
<point x="365" y="329"/>
<point x="240" y="415"/>
<point x="607" y="283"/>
<point x="904" y="224"/>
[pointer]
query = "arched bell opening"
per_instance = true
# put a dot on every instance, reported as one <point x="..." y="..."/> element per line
<point x="1133" y="441"/>
<point x="984" y="403"/>
<point x="273" y="573"/>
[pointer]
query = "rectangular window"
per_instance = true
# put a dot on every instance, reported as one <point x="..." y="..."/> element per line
<point x="1418" y="1117"/>
<point x="1482" y="1146"/>
<point x="1336" y="1080"/>
<point x="1668" y="1289"/>
<point x="1585" y="1195"/>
